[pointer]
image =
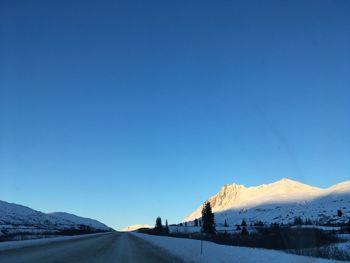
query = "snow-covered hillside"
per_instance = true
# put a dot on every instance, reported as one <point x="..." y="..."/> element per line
<point x="78" y="220"/>
<point x="279" y="202"/>
<point x="16" y="218"/>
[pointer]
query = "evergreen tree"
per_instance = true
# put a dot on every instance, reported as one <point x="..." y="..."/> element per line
<point x="275" y="225"/>
<point x="244" y="223"/>
<point x="208" y="224"/>
<point x="158" y="226"/>
<point x="244" y="232"/>
<point x="308" y="221"/>
<point x="259" y="223"/>
<point x="166" y="227"/>
<point x="196" y="222"/>
<point x="238" y="227"/>
<point x="225" y="224"/>
<point x="340" y="213"/>
<point x="298" y="220"/>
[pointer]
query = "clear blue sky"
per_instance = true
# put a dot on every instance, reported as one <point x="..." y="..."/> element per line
<point x="123" y="111"/>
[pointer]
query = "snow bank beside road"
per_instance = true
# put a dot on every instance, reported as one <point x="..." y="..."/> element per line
<point x="190" y="251"/>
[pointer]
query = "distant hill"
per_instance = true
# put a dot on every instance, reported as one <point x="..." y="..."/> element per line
<point x="78" y="220"/>
<point x="21" y="220"/>
<point x="135" y="227"/>
<point x="279" y="202"/>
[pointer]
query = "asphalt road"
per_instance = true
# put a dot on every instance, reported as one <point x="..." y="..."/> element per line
<point x="112" y="247"/>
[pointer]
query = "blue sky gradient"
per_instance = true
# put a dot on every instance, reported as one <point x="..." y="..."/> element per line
<point x="126" y="110"/>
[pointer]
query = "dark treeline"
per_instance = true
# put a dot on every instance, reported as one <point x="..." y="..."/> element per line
<point x="81" y="230"/>
<point x="266" y="237"/>
<point x="278" y="238"/>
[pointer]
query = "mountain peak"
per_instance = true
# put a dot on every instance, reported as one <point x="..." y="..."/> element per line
<point x="293" y="184"/>
<point x="280" y="202"/>
<point x="235" y="196"/>
<point x="286" y="180"/>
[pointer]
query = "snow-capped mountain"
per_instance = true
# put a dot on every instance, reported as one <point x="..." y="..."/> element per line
<point x="279" y="202"/>
<point x="16" y="218"/>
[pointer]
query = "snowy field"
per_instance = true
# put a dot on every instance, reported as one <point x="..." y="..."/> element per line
<point x="190" y="251"/>
<point x="345" y="246"/>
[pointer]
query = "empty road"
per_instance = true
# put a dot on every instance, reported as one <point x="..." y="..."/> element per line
<point x="111" y="247"/>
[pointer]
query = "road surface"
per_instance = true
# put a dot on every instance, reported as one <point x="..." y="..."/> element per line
<point x="107" y="248"/>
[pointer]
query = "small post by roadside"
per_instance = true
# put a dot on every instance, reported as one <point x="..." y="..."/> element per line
<point x="201" y="246"/>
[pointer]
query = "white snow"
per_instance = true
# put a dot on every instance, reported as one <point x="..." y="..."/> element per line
<point x="190" y="251"/>
<point x="278" y="202"/>
<point x="80" y="220"/>
<point x="16" y="219"/>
